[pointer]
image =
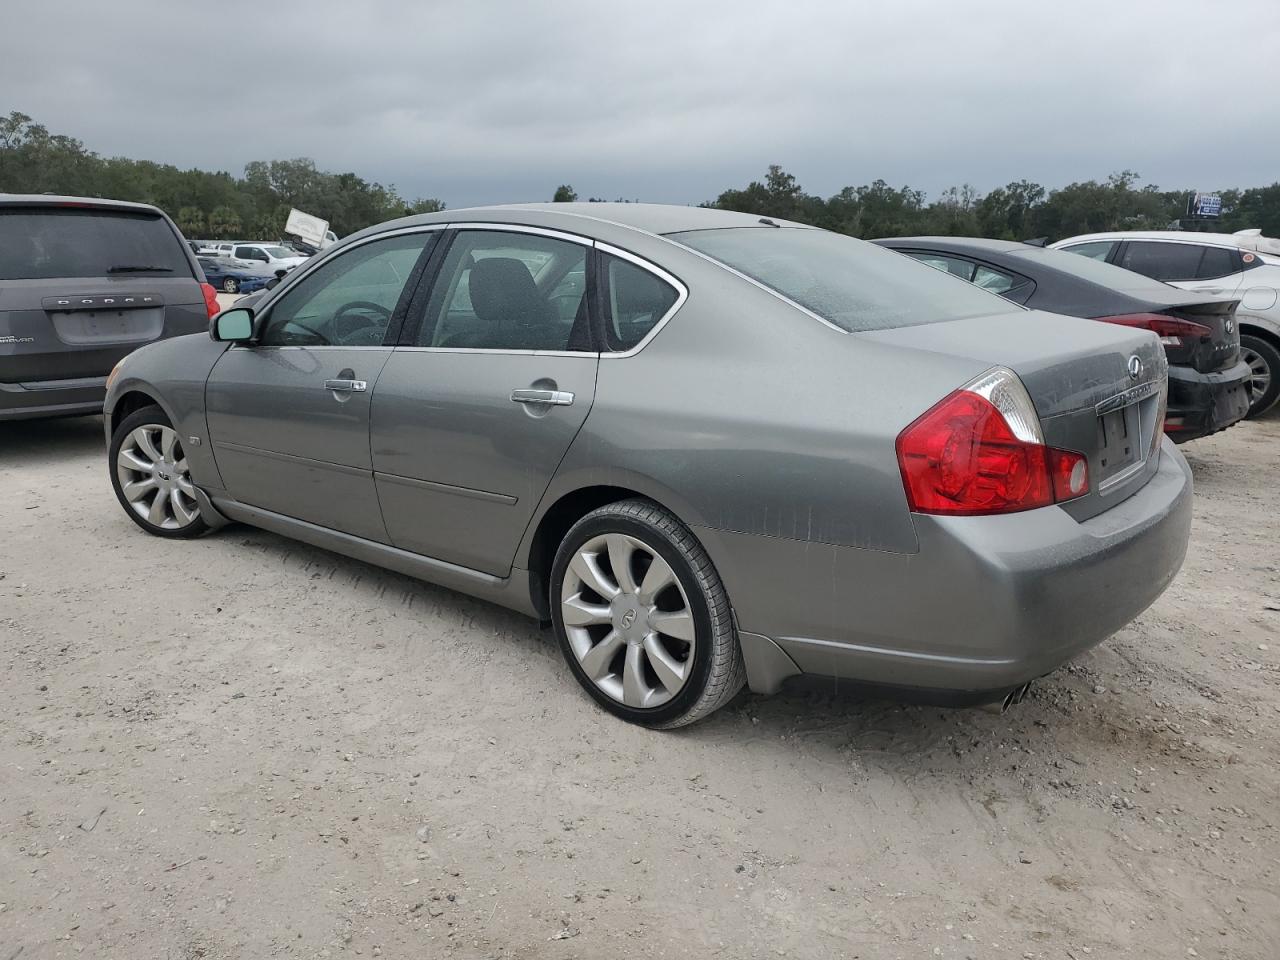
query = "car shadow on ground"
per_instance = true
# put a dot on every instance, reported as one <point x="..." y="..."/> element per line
<point x="50" y="439"/>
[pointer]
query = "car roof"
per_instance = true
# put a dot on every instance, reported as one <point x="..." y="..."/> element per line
<point x="51" y="200"/>
<point x="955" y="244"/>
<point x="652" y="218"/>
<point x="1186" y="236"/>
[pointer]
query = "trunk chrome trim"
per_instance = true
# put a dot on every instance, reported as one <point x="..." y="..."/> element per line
<point x="1132" y="395"/>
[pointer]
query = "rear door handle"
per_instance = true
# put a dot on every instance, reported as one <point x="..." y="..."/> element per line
<point x="555" y="398"/>
<point x="346" y="386"/>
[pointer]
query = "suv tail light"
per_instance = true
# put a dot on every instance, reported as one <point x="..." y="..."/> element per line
<point x="980" y="451"/>
<point x="210" y="299"/>
<point x="1170" y="330"/>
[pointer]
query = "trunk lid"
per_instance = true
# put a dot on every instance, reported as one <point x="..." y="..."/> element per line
<point x="1080" y="375"/>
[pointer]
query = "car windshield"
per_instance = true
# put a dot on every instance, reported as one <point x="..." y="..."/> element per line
<point x="278" y="252"/>
<point x="1086" y="268"/>
<point x="45" y="243"/>
<point x="853" y="284"/>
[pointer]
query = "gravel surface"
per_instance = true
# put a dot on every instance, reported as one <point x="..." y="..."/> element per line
<point x="243" y="747"/>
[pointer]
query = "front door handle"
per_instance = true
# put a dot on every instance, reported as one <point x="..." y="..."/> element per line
<point x="554" y="398"/>
<point x="346" y="386"/>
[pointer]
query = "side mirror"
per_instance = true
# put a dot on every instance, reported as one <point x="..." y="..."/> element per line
<point x="272" y="283"/>
<point x="234" y="325"/>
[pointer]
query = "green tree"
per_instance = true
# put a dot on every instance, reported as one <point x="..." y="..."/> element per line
<point x="190" y="221"/>
<point x="224" y="222"/>
<point x="564" y="194"/>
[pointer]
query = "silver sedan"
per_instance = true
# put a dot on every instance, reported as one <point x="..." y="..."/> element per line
<point x="714" y="450"/>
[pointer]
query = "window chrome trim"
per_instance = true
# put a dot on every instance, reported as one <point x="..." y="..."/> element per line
<point x="522" y="228"/>
<point x="765" y="287"/>
<point x="494" y="350"/>
<point x="682" y="294"/>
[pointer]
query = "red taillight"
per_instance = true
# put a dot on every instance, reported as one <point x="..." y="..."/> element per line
<point x="962" y="457"/>
<point x="210" y="299"/>
<point x="1170" y="330"/>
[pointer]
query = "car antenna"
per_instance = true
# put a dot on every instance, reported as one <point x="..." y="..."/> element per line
<point x="768" y="223"/>
<point x="1037" y="242"/>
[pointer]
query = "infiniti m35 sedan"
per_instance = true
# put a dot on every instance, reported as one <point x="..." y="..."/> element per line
<point x="712" y="449"/>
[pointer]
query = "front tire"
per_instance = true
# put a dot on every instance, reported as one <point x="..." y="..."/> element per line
<point x="150" y="476"/>
<point x="1263" y="358"/>
<point x="230" y="285"/>
<point x="642" y="617"/>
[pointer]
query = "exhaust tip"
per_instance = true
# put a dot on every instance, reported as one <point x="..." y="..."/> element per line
<point x="1012" y="698"/>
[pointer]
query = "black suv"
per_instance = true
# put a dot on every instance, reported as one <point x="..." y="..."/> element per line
<point x="82" y="283"/>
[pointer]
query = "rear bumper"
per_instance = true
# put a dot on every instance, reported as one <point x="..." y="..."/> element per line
<point x="987" y="604"/>
<point x="1204" y="403"/>
<point x="52" y="398"/>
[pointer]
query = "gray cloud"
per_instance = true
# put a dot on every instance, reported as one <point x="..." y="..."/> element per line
<point x="489" y="101"/>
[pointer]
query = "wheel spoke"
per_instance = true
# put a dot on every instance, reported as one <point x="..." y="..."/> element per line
<point x="587" y="567"/>
<point x="595" y="662"/>
<point x="579" y="613"/>
<point x="157" y="514"/>
<point x="657" y="578"/>
<point x="168" y="442"/>
<point x="180" y="511"/>
<point x="671" y="672"/>
<point x="147" y="443"/>
<point x="621" y="550"/>
<point x="131" y="461"/>
<point x="678" y="624"/>
<point x="135" y="491"/>
<point x="634" y="690"/>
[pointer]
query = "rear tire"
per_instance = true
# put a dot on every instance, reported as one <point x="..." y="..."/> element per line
<point x="230" y="285"/>
<point x="150" y="477"/>
<point x="1263" y="358"/>
<point x="650" y="634"/>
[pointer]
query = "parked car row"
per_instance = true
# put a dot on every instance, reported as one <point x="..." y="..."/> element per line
<point x="273" y="255"/>
<point x="1209" y="383"/>
<point x="1244" y="266"/>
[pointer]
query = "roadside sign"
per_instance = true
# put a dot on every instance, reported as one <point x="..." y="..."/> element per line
<point x="1208" y="205"/>
<point x="308" y="229"/>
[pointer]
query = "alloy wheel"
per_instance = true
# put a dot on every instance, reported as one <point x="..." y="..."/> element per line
<point x="1260" y="381"/>
<point x="628" y="620"/>
<point x="154" y="477"/>
<point x="229" y="285"/>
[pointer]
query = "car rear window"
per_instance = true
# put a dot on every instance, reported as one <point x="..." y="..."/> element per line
<point x="54" y="243"/>
<point x="1085" y="268"/>
<point x="853" y="284"/>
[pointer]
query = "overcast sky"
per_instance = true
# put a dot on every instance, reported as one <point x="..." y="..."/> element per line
<point x="478" y="102"/>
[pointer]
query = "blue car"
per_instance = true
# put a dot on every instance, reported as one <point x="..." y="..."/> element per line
<point x="234" y="276"/>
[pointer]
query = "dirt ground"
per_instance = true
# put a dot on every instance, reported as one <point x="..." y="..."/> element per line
<point x="243" y="747"/>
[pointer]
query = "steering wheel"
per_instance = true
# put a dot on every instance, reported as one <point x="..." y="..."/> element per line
<point x="362" y="323"/>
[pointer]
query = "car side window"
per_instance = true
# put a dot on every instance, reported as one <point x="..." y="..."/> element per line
<point x="635" y="299"/>
<point x="1161" y="261"/>
<point x="1218" y="262"/>
<point x="997" y="281"/>
<point x="952" y="265"/>
<point x="348" y="301"/>
<point x="509" y="291"/>
<point x="1094" y="249"/>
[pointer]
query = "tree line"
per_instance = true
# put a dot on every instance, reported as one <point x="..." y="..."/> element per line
<point x="205" y="204"/>
<point x="211" y="204"/>
<point x="1019" y="211"/>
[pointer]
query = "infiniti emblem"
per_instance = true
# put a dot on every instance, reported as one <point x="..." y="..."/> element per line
<point x="628" y="619"/>
<point x="1135" y="367"/>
